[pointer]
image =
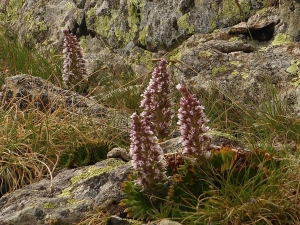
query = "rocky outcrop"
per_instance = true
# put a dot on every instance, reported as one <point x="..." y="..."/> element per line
<point x="239" y="69"/>
<point x="149" y="24"/>
<point x="72" y="194"/>
<point x="27" y="91"/>
<point x="253" y="43"/>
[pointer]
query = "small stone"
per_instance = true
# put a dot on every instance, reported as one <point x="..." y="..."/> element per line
<point x="119" y="153"/>
<point x="39" y="214"/>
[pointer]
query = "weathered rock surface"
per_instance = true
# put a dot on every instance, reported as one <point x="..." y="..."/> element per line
<point x="27" y="91"/>
<point x="75" y="192"/>
<point x="240" y="69"/>
<point x="150" y="24"/>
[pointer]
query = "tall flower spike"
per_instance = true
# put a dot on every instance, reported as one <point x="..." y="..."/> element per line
<point x="192" y="121"/>
<point x="147" y="156"/>
<point x="157" y="102"/>
<point x="74" y="70"/>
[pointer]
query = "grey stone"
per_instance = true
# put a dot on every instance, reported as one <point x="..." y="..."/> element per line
<point x="70" y="199"/>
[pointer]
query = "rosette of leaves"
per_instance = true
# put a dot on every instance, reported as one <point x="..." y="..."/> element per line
<point x="84" y="155"/>
<point x="227" y="168"/>
<point x="138" y="204"/>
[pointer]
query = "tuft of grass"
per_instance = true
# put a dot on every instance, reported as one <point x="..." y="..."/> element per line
<point x="270" y="126"/>
<point x="32" y="143"/>
<point x="96" y="217"/>
<point x="16" y="59"/>
<point x="121" y="91"/>
<point x="265" y="198"/>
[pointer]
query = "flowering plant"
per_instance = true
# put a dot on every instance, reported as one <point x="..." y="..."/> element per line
<point x="74" y="70"/>
<point x="157" y="102"/>
<point x="147" y="156"/>
<point x="192" y="121"/>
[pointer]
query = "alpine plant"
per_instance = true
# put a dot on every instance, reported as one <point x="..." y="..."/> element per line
<point x="147" y="156"/>
<point x="74" y="70"/>
<point x="192" y="121"/>
<point x="157" y="102"/>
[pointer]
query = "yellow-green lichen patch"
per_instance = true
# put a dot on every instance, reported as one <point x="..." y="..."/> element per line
<point x="66" y="192"/>
<point x="294" y="69"/>
<point x="40" y="26"/>
<point x="236" y="63"/>
<point x="183" y="23"/>
<point x="235" y="72"/>
<point x="230" y="10"/>
<point x="83" y="43"/>
<point x="49" y="205"/>
<point x="205" y="54"/>
<point x="262" y="49"/>
<point x="144" y="58"/>
<point x="281" y="38"/>
<point x="220" y="69"/>
<point x="134" y="222"/>
<point x="91" y="172"/>
<point x="175" y="55"/>
<point x="91" y="13"/>
<point x="103" y="26"/>
<point x="114" y="162"/>
<point x="143" y="36"/>
<point x="135" y="8"/>
<point x="263" y="11"/>
<point x="70" y="6"/>
<point x="12" y="9"/>
<point x="233" y="39"/>
<point x="74" y="202"/>
<point x="245" y="75"/>
<point x="94" y="171"/>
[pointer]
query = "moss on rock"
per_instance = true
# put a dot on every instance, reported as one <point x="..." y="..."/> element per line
<point x="205" y="54"/>
<point x="49" y="205"/>
<point x="143" y="36"/>
<point x="220" y="69"/>
<point x="281" y="38"/>
<point x="184" y="24"/>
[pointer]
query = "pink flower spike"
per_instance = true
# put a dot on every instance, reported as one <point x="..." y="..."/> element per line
<point x="157" y="102"/>
<point x="192" y="121"/>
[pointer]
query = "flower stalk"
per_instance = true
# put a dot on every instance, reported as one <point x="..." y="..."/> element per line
<point x="157" y="102"/>
<point x="147" y="156"/>
<point x="192" y="121"/>
<point x="74" y="70"/>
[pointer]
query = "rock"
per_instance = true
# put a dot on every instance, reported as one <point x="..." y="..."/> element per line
<point x="26" y="92"/>
<point x="116" y="220"/>
<point x="240" y="70"/>
<point x="260" y="26"/>
<point x="119" y="153"/>
<point x="75" y="192"/>
<point x="167" y="222"/>
<point x="119" y="26"/>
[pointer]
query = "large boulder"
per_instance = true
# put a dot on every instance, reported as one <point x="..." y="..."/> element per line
<point x="151" y="24"/>
<point x="71" y="194"/>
